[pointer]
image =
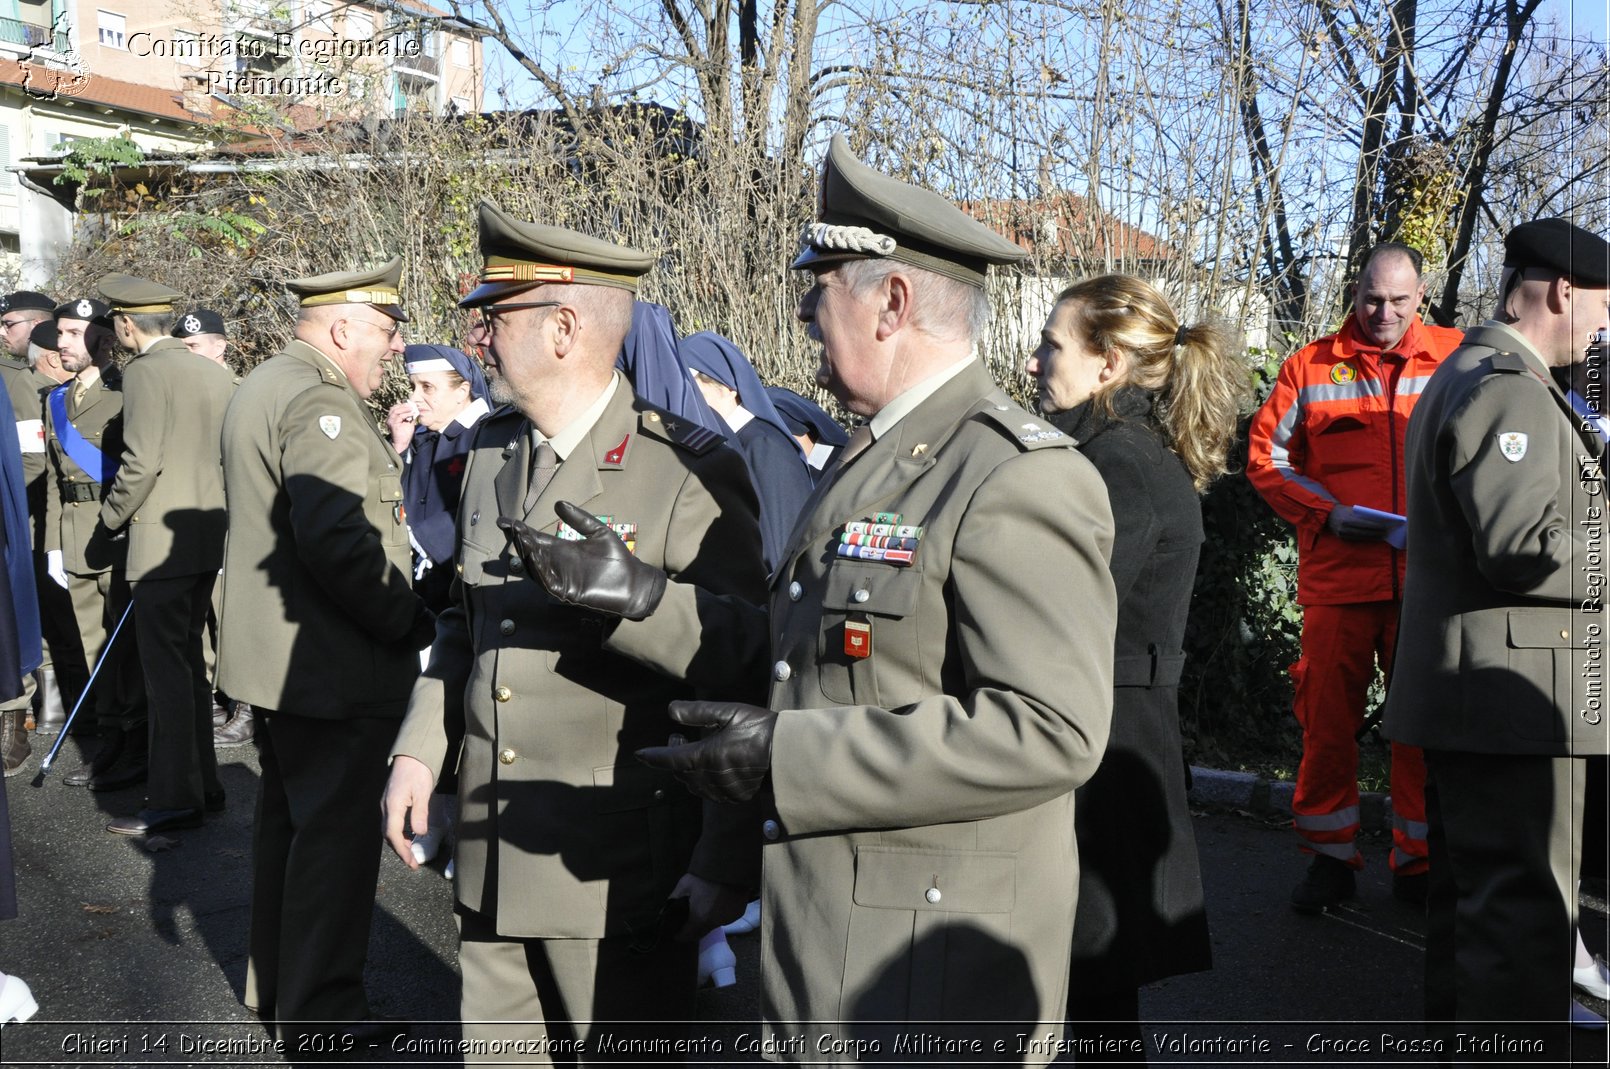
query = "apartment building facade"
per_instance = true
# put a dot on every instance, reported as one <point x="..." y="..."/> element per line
<point x="167" y="73"/>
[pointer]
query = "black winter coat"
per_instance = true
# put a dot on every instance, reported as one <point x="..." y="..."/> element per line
<point x="1141" y="916"/>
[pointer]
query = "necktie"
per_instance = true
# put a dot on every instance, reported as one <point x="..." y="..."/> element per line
<point x="543" y="465"/>
<point x="79" y="390"/>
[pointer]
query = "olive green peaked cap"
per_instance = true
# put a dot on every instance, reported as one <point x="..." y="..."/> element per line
<point x="862" y="214"/>
<point x="136" y="296"/>
<point x="521" y="256"/>
<point x="379" y="286"/>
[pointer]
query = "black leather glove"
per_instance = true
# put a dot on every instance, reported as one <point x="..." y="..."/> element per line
<point x="597" y="573"/>
<point x="731" y="762"/>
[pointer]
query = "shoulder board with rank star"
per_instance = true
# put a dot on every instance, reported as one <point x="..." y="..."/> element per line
<point x="1027" y="430"/>
<point x="680" y="432"/>
<point x="1514" y="362"/>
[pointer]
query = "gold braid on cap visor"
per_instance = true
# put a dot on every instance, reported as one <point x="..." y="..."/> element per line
<point x="353" y="297"/>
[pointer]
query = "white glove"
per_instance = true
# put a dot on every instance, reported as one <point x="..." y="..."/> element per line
<point x="56" y="567"/>
<point x="421" y="566"/>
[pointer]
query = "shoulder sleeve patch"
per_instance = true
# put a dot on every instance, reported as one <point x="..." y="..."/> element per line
<point x="1027" y="430"/>
<point x="679" y="432"/>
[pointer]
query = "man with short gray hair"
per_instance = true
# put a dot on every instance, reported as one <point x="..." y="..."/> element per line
<point x="942" y="628"/>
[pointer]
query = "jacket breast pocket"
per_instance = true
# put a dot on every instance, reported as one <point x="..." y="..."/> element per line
<point x="931" y="937"/>
<point x="1343" y="441"/>
<point x="866" y="611"/>
<point x="389" y="514"/>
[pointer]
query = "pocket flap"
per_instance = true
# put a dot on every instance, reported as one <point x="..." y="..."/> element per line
<point x="390" y="487"/>
<point x="1541" y="629"/>
<point x="879" y="589"/>
<point x="934" y="882"/>
<point x="621" y="787"/>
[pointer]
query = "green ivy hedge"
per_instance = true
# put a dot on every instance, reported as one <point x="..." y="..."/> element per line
<point x="1245" y="623"/>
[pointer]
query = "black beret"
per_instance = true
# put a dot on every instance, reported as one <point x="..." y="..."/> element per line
<point x="44" y="335"/>
<point x="1562" y="247"/>
<point x="85" y="308"/>
<point x="200" y="321"/>
<point x="23" y="300"/>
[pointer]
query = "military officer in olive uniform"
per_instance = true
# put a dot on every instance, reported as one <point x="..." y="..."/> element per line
<point x="321" y="633"/>
<point x="62" y="669"/>
<point x="942" y="632"/>
<point x="1504" y="600"/>
<point x="582" y="877"/>
<point x="84" y="446"/>
<point x="168" y="498"/>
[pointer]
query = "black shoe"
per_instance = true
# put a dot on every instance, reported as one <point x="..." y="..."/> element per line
<point x="1412" y="888"/>
<point x="147" y="821"/>
<point x="214" y="801"/>
<point x="106" y="755"/>
<point x="127" y="765"/>
<point x="238" y="731"/>
<point x="1329" y="883"/>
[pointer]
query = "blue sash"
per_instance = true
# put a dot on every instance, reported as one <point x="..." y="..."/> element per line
<point x="83" y="452"/>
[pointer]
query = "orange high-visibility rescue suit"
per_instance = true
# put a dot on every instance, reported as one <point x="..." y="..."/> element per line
<point x="1331" y="433"/>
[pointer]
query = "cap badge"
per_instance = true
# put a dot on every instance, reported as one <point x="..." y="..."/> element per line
<point x="84" y="308"/>
<point x="192" y="325"/>
<point x="330" y="425"/>
<point x="1512" y="444"/>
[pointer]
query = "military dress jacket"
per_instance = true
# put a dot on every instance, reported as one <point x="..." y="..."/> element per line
<point x="921" y="864"/>
<point x="563" y="833"/>
<point x="25" y="389"/>
<point x="319" y="617"/>
<point x="1503" y="630"/>
<point x="73" y="496"/>
<point x="169" y="491"/>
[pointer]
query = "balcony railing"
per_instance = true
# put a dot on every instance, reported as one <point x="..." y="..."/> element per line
<point x="429" y="66"/>
<point x="27" y="35"/>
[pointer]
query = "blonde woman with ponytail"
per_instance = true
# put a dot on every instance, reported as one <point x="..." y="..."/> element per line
<point x="1153" y="404"/>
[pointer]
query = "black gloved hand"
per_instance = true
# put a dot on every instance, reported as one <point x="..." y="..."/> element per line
<point x="730" y="763"/>
<point x="597" y="573"/>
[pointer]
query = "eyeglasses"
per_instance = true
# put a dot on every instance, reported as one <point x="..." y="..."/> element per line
<point x="490" y="313"/>
<point x="389" y="331"/>
<point x="9" y="323"/>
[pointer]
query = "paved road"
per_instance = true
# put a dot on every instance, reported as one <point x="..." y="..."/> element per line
<point x="138" y="956"/>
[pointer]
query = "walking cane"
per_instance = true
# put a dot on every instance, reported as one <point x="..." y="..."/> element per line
<point x="50" y="758"/>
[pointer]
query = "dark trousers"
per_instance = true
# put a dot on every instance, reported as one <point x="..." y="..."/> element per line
<point x="1505" y="836"/>
<point x="315" y="859"/>
<point x="117" y="701"/>
<point x="562" y="995"/>
<point x="169" y="615"/>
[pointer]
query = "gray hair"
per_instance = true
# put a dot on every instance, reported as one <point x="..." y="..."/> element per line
<point x="945" y="308"/>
